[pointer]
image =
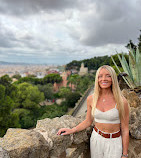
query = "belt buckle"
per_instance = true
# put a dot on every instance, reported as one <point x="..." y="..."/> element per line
<point x="101" y="133"/>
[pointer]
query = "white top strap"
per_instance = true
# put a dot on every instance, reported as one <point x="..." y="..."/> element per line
<point x="116" y="106"/>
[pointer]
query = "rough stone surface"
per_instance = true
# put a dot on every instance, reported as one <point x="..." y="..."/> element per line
<point x="135" y="122"/>
<point x="132" y="97"/>
<point x="21" y="143"/>
<point x="58" y="143"/>
<point x="3" y="153"/>
<point x="135" y="113"/>
<point x="43" y="142"/>
<point x="135" y="148"/>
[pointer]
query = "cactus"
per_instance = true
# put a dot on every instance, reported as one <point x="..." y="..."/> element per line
<point x="133" y="69"/>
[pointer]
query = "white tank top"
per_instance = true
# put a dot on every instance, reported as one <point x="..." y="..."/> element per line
<point x="109" y="116"/>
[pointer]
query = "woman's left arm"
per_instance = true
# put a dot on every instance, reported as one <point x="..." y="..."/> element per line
<point x="125" y="128"/>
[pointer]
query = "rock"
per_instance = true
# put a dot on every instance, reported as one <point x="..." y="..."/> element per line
<point x="59" y="143"/>
<point x="21" y="143"/>
<point x="132" y="97"/>
<point x="135" y="122"/>
<point x="3" y="153"/>
<point x="135" y="112"/>
<point x="134" y="148"/>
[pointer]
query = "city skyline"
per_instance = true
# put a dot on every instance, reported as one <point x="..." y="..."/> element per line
<point x="57" y="32"/>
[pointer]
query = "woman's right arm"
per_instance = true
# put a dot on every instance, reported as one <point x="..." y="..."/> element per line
<point x="83" y="125"/>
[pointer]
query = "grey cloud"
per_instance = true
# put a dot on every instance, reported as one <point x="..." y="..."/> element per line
<point x="20" y="7"/>
<point x="116" y="22"/>
<point x="6" y="38"/>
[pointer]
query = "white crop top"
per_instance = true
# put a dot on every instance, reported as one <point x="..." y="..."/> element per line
<point x="110" y="116"/>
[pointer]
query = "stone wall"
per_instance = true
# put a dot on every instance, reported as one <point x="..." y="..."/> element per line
<point x="43" y="142"/>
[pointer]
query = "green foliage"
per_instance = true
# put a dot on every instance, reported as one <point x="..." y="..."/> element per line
<point x="74" y="79"/>
<point x="85" y="82"/>
<point x="7" y="118"/>
<point x="52" y="111"/>
<point x="133" y="46"/>
<point x="133" y="78"/>
<point x="52" y="78"/>
<point x="116" y="70"/>
<point x="92" y="64"/>
<point x="47" y="90"/>
<point x="72" y="98"/>
<point x="29" y="96"/>
<point x="32" y="80"/>
<point x="5" y="80"/>
<point x="63" y="91"/>
<point x="17" y="76"/>
<point x="27" y="121"/>
<point x="139" y="44"/>
<point x="116" y="59"/>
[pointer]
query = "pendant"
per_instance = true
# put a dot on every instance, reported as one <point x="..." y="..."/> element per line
<point x="103" y="100"/>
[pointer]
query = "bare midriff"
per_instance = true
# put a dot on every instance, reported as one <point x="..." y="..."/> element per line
<point x="108" y="128"/>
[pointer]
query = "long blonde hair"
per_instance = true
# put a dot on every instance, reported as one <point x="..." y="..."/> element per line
<point x="115" y="90"/>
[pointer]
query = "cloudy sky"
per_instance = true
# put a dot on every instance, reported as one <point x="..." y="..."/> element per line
<point x="59" y="31"/>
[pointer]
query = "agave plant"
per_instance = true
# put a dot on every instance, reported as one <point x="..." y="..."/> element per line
<point x="133" y="69"/>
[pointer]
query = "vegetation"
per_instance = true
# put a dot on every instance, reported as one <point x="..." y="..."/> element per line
<point x="17" y="76"/>
<point x="133" y="78"/>
<point x="50" y="78"/>
<point x="135" y="46"/>
<point x="47" y="90"/>
<point x="92" y="64"/>
<point x="19" y="101"/>
<point x="131" y="65"/>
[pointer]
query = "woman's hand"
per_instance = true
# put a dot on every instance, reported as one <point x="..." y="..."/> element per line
<point x="65" y="131"/>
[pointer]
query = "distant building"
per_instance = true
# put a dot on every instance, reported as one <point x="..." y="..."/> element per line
<point x="64" y="82"/>
<point x="83" y="70"/>
<point x="52" y="71"/>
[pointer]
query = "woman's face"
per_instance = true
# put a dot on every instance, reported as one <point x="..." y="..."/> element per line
<point x="104" y="78"/>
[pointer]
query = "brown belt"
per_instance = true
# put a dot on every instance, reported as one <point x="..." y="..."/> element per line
<point x="114" y="135"/>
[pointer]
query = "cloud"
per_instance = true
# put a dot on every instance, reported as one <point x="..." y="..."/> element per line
<point x="60" y="31"/>
<point x="26" y="7"/>
<point x="110" y="22"/>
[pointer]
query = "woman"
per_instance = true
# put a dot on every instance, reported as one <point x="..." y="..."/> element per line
<point x="110" y="111"/>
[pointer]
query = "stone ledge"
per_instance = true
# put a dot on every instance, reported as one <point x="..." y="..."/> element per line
<point x="43" y="142"/>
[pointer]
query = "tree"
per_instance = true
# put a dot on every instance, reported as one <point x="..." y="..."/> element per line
<point x="28" y="99"/>
<point x="131" y="44"/>
<point x="53" y="111"/>
<point x="5" y="80"/>
<point x="47" y="90"/>
<point x="72" y="98"/>
<point x="29" y="96"/>
<point x="74" y="79"/>
<point x="52" y="78"/>
<point x="85" y="82"/>
<point x="7" y="118"/>
<point x="64" y="91"/>
<point x="11" y="89"/>
<point x="17" y="76"/>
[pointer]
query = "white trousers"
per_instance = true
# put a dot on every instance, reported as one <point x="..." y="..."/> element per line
<point x="101" y="147"/>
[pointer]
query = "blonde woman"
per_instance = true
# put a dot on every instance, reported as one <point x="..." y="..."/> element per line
<point x="110" y="112"/>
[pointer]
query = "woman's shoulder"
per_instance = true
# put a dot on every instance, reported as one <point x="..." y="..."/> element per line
<point x="90" y="99"/>
<point x="125" y="102"/>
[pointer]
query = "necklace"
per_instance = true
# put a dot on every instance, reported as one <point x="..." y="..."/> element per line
<point x="103" y="100"/>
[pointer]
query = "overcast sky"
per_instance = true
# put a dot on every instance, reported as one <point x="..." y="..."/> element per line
<point x="59" y="31"/>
